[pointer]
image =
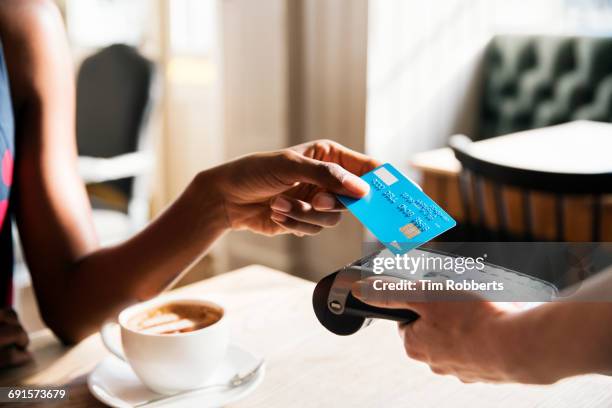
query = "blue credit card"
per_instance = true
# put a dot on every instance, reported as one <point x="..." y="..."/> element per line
<point x="397" y="212"/>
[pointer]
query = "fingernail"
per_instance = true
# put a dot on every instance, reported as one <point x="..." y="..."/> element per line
<point x="357" y="289"/>
<point x="324" y="201"/>
<point x="278" y="217"/>
<point x="355" y="184"/>
<point x="281" y="204"/>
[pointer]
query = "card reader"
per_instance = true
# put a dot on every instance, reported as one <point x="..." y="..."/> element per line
<point x="343" y="314"/>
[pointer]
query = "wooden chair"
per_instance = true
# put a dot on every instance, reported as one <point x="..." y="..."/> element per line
<point x="550" y="258"/>
<point x="477" y="171"/>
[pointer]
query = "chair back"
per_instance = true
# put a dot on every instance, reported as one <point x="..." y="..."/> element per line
<point x="477" y="171"/>
<point x="533" y="81"/>
<point x="113" y="99"/>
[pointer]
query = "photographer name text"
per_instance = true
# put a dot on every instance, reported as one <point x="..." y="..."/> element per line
<point x="431" y="285"/>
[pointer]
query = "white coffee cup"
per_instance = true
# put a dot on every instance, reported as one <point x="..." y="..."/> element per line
<point x="169" y="363"/>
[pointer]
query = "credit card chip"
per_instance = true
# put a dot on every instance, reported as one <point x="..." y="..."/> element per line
<point x="410" y="230"/>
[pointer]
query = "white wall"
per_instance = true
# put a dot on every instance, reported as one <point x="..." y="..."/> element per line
<point x="421" y="63"/>
<point x="331" y="104"/>
<point x="255" y="93"/>
<point x="423" y="59"/>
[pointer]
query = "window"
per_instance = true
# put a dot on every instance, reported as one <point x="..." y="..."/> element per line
<point x="98" y="23"/>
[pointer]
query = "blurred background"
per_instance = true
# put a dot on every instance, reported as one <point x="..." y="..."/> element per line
<point x="167" y="88"/>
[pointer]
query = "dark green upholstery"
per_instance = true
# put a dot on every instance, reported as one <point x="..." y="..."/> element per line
<point x="536" y="81"/>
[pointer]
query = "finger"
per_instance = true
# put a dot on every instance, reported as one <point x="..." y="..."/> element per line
<point x="9" y="316"/>
<point x="355" y="162"/>
<point x="326" y="202"/>
<point x="295" y="227"/>
<point x="414" y="352"/>
<point x="302" y="211"/>
<point x="13" y="334"/>
<point x="412" y="345"/>
<point x="439" y="370"/>
<point x="331" y="176"/>
<point x="369" y="291"/>
<point x="405" y="329"/>
<point x="12" y="356"/>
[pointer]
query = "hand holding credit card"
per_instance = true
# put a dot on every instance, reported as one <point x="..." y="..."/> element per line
<point x="397" y="212"/>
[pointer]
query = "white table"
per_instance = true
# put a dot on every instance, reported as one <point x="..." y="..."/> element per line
<point x="307" y="366"/>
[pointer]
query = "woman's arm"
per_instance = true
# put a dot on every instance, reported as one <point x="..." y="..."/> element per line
<point x="76" y="283"/>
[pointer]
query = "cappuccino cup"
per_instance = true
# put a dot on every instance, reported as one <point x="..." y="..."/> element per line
<point x="171" y="344"/>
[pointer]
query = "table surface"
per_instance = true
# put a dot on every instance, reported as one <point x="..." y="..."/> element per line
<point x="271" y="314"/>
<point x="581" y="147"/>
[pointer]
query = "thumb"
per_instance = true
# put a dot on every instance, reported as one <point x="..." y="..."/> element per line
<point x="327" y="175"/>
<point x="389" y="293"/>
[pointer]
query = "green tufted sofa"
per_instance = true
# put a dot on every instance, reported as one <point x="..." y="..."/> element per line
<point x="536" y="81"/>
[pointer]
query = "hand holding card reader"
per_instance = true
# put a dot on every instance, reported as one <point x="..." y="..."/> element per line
<point x="402" y="217"/>
<point x="343" y="314"/>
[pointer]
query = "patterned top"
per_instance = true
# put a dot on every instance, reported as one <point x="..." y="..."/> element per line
<point x="7" y="152"/>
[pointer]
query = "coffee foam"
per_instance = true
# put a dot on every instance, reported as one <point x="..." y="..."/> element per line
<point x="173" y="318"/>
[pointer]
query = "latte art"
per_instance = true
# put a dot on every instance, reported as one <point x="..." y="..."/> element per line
<point x="174" y="318"/>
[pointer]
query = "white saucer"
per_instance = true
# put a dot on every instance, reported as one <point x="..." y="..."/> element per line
<point x="114" y="383"/>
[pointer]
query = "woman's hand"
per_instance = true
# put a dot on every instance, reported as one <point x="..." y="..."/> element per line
<point x="467" y="337"/>
<point x="13" y="340"/>
<point x="291" y="190"/>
